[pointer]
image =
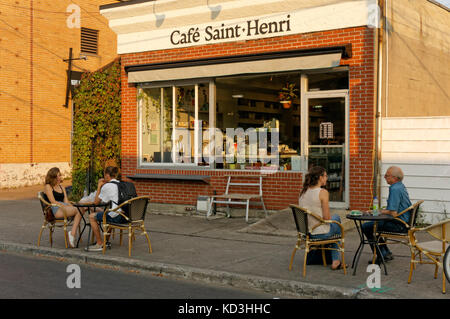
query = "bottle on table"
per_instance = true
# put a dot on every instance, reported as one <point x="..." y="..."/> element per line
<point x="376" y="206"/>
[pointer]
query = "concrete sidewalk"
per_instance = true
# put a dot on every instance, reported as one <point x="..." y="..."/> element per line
<point x="223" y="251"/>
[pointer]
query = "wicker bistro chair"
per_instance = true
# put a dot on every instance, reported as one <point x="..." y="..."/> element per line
<point x="137" y="208"/>
<point x="62" y="223"/>
<point x="434" y="250"/>
<point x="400" y="238"/>
<point x="301" y="223"/>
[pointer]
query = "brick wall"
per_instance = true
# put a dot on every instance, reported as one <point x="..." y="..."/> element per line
<point x="34" y="40"/>
<point x="282" y="188"/>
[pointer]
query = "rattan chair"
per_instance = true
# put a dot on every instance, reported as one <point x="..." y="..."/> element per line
<point x="434" y="250"/>
<point x="303" y="237"/>
<point x="401" y="238"/>
<point x="58" y="222"/>
<point x="137" y="208"/>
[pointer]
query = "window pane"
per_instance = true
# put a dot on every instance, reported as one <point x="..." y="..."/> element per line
<point x="260" y="102"/>
<point x="203" y="117"/>
<point x="327" y="121"/>
<point x="151" y="124"/>
<point x="328" y="81"/>
<point x="184" y="124"/>
<point x="167" y="126"/>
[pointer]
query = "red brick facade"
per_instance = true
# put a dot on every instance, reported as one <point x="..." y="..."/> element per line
<point x="282" y="188"/>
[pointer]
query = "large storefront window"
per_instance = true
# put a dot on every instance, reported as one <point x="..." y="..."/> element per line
<point x="257" y="121"/>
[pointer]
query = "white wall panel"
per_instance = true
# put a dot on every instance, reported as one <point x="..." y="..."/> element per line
<point x="421" y="147"/>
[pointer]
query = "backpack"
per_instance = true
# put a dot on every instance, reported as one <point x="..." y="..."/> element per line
<point x="126" y="191"/>
<point x="315" y="257"/>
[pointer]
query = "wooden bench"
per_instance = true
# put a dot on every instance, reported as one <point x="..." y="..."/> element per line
<point x="230" y="198"/>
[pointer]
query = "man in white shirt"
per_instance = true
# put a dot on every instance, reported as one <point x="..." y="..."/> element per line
<point x="106" y="192"/>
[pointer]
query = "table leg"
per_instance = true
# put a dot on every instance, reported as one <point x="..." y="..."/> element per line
<point x="377" y="247"/>
<point x="84" y="226"/>
<point x="381" y="257"/>
<point x="360" y="247"/>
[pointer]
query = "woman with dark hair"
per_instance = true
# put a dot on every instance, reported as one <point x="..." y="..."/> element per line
<point x="316" y="199"/>
<point x="56" y="194"/>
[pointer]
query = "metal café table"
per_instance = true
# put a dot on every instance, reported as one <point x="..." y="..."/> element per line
<point x="90" y="208"/>
<point x="358" y="219"/>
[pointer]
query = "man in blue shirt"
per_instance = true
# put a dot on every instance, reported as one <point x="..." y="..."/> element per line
<point x="397" y="202"/>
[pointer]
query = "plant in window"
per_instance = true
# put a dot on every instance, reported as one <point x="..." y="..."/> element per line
<point x="287" y="94"/>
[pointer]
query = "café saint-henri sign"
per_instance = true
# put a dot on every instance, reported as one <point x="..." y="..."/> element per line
<point x="331" y="17"/>
<point x="230" y="31"/>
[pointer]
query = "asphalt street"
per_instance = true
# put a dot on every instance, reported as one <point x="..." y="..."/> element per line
<point x="23" y="277"/>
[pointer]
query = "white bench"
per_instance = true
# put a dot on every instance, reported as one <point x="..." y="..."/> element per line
<point x="230" y="198"/>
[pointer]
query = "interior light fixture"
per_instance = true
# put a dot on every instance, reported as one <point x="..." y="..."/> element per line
<point x="237" y="96"/>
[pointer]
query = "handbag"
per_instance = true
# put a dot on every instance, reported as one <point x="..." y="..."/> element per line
<point x="49" y="217"/>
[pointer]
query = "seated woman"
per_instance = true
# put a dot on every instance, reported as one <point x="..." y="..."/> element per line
<point x="56" y="194"/>
<point x="315" y="199"/>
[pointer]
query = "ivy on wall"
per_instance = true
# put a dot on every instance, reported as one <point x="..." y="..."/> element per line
<point x="97" y="126"/>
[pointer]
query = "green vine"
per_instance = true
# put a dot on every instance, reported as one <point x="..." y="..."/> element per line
<point x="97" y="126"/>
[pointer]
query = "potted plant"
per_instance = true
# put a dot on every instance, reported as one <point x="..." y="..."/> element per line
<point x="287" y="94"/>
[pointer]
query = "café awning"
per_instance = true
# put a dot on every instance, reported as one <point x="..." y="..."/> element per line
<point x="238" y="65"/>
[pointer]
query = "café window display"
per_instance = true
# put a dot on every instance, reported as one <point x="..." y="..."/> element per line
<point x="266" y="103"/>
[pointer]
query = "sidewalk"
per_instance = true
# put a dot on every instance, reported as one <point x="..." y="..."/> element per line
<point x="222" y="251"/>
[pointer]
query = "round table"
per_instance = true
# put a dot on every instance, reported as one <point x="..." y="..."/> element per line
<point x="358" y="219"/>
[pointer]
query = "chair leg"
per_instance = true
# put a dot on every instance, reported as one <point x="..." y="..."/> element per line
<point x="304" y="261"/>
<point x="40" y="234"/>
<point x="436" y="269"/>
<point x="443" y="281"/>
<point x="130" y="241"/>
<point x="343" y="260"/>
<point x="66" y="236"/>
<point x="148" y="239"/>
<point x="324" y="259"/>
<point x="121" y="237"/>
<point x="412" y="266"/>
<point x="292" y="258"/>
<point x="51" y="236"/>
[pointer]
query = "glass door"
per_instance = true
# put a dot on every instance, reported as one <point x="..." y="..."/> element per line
<point x="327" y="141"/>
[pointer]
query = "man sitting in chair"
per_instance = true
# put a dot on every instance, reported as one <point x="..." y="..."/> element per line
<point x="106" y="192"/>
<point x="397" y="202"/>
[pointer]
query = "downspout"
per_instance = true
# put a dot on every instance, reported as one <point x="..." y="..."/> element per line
<point x="377" y="156"/>
<point x="31" y="80"/>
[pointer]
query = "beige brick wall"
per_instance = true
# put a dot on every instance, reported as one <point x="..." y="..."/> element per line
<point x="34" y="40"/>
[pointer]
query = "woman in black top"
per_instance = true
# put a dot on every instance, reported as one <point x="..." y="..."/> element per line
<point x="56" y="194"/>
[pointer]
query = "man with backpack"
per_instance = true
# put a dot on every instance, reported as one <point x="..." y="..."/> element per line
<point x="107" y="190"/>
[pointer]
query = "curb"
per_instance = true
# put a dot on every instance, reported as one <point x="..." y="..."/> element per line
<point x="276" y="286"/>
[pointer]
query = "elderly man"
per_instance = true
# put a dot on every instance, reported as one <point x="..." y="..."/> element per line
<point x="397" y="202"/>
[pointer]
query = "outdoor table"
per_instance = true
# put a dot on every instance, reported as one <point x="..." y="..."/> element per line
<point x="358" y="219"/>
<point x="90" y="208"/>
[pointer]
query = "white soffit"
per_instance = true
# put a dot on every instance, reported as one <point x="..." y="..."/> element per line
<point x="159" y="25"/>
<point x="248" y="67"/>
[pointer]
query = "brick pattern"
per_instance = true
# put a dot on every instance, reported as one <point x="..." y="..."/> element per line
<point x="282" y="188"/>
<point x="34" y="40"/>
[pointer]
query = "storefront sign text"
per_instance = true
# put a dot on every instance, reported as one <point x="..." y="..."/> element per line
<point x="250" y="28"/>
